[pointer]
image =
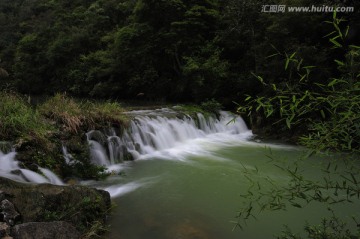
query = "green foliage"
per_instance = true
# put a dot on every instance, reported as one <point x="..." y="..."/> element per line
<point x="110" y="113"/>
<point x="325" y="111"/>
<point x="18" y="120"/>
<point x="98" y="48"/>
<point x="38" y="133"/>
<point x="332" y="228"/>
<point x="174" y="50"/>
<point x="211" y="106"/>
<point x="328" y="111"/>
<point x="336" y="183"/>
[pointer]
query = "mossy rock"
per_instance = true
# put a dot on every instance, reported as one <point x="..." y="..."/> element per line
<point x="78" y="205"/>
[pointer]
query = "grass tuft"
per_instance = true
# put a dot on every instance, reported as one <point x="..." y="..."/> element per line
<point x="19" y="120"/>
<point x="75" y="115"/>
<point x="64" y="111"/>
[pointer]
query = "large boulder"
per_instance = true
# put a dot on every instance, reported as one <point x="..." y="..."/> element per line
<point x="45" y="230"/>
<point x="79" y="205"/>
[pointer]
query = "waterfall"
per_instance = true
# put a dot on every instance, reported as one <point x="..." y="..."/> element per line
<point x="155" y="131"/>
<point x="10" y="169"/>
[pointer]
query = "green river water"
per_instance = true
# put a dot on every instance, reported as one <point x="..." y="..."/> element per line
<point x="197" y="195"/>
<point x="190" y="177"/>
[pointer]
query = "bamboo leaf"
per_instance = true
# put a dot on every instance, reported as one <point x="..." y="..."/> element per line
<point x="333" y="82"/>
<point x="347" y="30"/>
<point x="299" y="64"/>
<point x="302" y="78"/>
<point x="340" y="63"/>
<point x="276" y="54"/>
<point x="310" y="153"/>
<point x="331" y="33"/>
<point x="288" y="123"/>
<point x="287" y="63"/>
<point x="292" y="55"/>
<point x="337" y="44"/>
<point x="338" y="30"/>
<point x="354" y="46"/>
<point x="309" y="67"/>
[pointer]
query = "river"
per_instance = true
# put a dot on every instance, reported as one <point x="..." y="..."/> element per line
<point x="190" y="177"/>
<point x="189" y="182"/>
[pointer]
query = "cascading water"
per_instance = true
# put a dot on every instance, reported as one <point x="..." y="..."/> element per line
<point x="157" y="131"/>
<point x="162" y="133"/>
<point x="10" y="169"/>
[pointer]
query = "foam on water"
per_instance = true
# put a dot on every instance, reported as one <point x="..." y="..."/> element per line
<point x="10" y="169"/>
<point x="162" y="134"/>
<point x="120" y="190"/>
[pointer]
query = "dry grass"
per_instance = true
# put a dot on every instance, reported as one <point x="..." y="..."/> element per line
<point x="75" y="115"/>
<point x="64" y="111"/>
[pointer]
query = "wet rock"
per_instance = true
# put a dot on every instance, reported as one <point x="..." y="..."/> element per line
<point x="4" y="229"/>
<point x="5" y="147"/>
<point x="45" y="230"/>
<point x="78" y="205"/>
<point x="8" y="212"/>
<point x="2" y="195"/>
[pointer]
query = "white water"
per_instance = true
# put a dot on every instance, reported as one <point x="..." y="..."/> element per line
<point x="160" y="133"/>
<point x="9" y="168"/>
<point x="163" y="134"/>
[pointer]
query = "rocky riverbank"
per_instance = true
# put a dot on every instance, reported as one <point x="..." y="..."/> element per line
<point x="45" y="211"/>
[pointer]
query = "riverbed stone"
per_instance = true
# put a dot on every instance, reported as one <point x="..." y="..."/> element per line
<point x="4" y="229"/>
<point x="8" y="212"/>
<point x="45" y="230"/>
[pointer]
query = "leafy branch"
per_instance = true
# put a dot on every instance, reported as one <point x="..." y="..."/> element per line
<point x="328" y="111"/>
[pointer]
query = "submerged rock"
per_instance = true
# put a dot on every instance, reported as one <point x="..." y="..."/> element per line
<point x="188" y="231"/>
<point x="45" y="230"/>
